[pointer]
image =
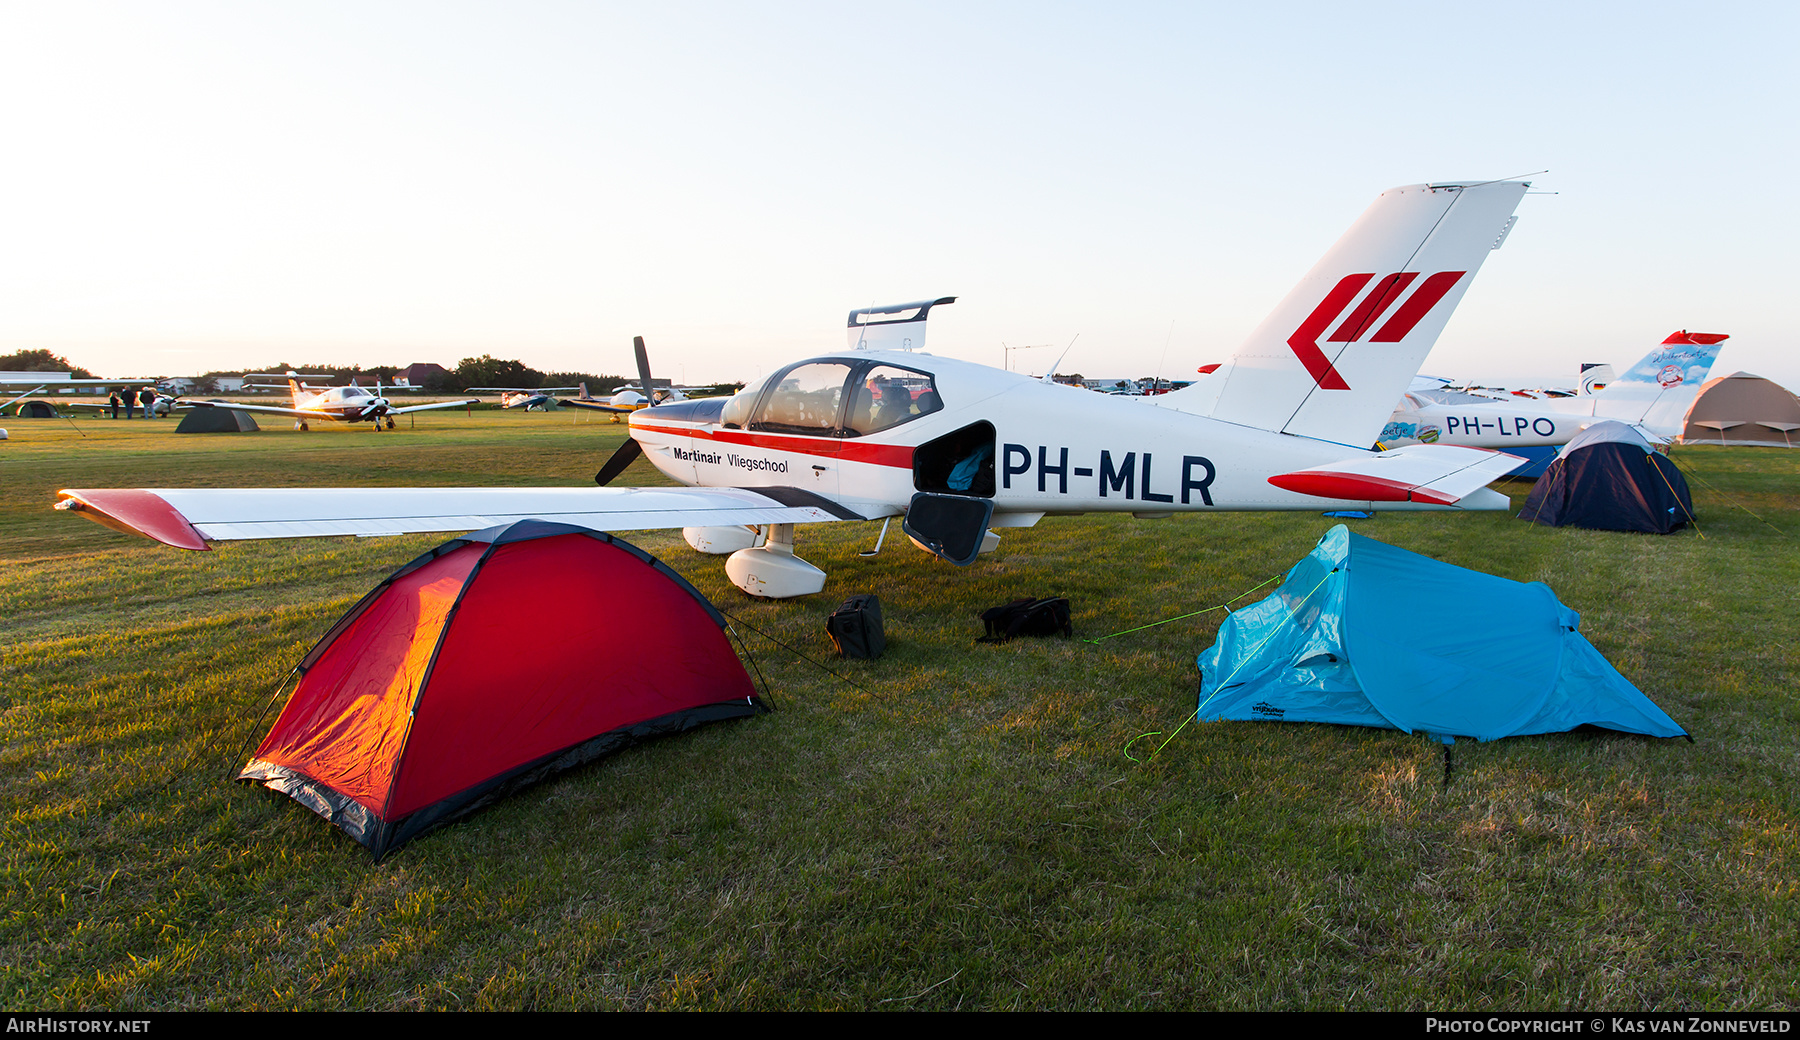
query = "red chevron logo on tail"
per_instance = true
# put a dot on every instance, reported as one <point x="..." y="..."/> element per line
<point x="1305" y="340"/>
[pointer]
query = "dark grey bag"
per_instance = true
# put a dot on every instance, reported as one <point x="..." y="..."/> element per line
<point x="1027" y="617"/>
<point x="855" y="628"/>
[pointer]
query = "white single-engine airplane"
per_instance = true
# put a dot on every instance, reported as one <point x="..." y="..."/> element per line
<point x="628" y="399"/>
<point x="958" y="448"/>
<point x="343" y="404"/>
<point x="1653" y="395"/>
<point x="540" y="399"/>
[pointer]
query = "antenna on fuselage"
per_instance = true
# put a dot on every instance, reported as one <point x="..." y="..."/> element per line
<point x="1050" y="376"/>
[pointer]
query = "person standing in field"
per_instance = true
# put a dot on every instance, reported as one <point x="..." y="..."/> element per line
<point x="114" y="400"/>
<point x="130" y="403"/>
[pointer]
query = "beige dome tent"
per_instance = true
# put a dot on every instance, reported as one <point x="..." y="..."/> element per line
<point x="1742" y="409"/>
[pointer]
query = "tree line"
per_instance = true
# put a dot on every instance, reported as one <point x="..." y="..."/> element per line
<point x="485" y="370"/>
<point x="41" y="361"/>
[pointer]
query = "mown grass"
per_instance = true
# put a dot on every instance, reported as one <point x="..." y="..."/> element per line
<point x="952" y="826"/>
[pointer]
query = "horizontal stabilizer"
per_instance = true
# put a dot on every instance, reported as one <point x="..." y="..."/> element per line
<point x="189" y="518"/>
<point x="898" y="326"/>
<point x="597" y="406"/>
<point x="1426" y="473"/>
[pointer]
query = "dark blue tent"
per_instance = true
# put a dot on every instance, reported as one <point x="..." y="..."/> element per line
<point x="1610" y="478"/>
<point x="1363" y="634"/>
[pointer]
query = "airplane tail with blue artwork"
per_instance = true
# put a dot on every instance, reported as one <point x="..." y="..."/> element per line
<point x="1656" y="392"/>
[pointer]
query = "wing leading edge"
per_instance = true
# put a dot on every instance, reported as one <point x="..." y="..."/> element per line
<point x="188" y="518"/>
<point x="320" y="413"/>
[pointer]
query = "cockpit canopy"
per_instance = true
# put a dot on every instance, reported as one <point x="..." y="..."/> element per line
<point x="829" y="397"/>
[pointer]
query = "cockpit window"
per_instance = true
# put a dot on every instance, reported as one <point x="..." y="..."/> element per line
<point x="885" y="397"/>
<point x="807" y="400"/>
<point x="737" y="410"/>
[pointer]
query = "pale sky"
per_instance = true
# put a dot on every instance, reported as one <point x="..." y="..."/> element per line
<point x="194" y="185"/>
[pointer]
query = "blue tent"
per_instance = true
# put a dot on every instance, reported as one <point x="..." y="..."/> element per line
<point x="1364" y="634"/>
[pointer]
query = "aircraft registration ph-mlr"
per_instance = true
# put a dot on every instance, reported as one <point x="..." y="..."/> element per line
<point x="958" y="448"/>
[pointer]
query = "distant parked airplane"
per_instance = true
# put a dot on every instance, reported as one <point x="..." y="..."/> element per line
<point x="1653" y="395"/>
<point x="528" y="398"/>
<point x="342" y="404"/>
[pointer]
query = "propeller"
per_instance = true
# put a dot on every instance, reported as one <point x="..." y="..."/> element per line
<point x="630" y="450"/>
<point x="625" y="456"/>
<point x="379" y="405"/>
<point x="643" y="360"/>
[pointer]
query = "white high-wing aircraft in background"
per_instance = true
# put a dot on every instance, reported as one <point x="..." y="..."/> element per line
<point x="880" y="430"/>
<point x="342" y="404"/>
<point x="39" y="382"/>
<point x="1653" y="395"/>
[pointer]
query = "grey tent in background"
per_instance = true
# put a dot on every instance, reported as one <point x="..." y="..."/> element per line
<point x="37" y="410"/>
<point x="1743" y="409"/>
<point x="1609" y="478"/>
<point x="216" y="420"/>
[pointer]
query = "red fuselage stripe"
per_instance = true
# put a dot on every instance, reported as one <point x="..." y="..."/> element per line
<point x="898" y="456"/>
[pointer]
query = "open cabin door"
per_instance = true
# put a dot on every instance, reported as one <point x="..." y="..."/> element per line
<point x="954" y="478"/>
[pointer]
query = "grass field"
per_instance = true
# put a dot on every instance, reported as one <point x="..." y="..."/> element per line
<point x="952" y="826"/>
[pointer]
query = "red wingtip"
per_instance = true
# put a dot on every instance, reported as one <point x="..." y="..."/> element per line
<point x="1699" y="339"/>
<point x="1207" y="370"/>
<point x="134" y="512"/>
<point x="1354" y="487"/>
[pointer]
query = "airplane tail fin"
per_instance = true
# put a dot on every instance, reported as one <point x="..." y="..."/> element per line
<point x="1335" y="355"/>
<point x="1657" y="391"/>
<point x="1595" y="377"/>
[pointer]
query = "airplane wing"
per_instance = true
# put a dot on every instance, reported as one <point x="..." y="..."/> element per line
<point x="28" y="380"/>
<point x="1437" y="474"/>
<point x="572" y="402"/>
<point x="103" y="405"/>
<point x="428" y="407"/>
<point x="266" y="409"/>
<point x="189" y="518"/>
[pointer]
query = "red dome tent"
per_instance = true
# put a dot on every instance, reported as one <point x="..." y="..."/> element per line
<point x="488" y="664"/>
